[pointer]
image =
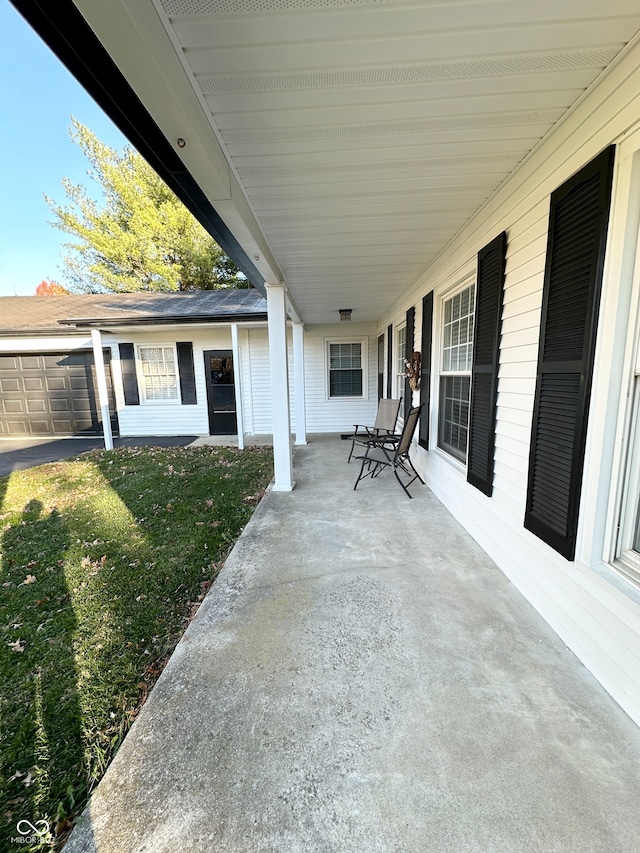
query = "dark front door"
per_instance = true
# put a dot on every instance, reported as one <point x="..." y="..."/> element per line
<point x="221" y="392"/>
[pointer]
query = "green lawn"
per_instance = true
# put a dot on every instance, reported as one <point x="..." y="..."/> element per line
<point x="103" y="561"/>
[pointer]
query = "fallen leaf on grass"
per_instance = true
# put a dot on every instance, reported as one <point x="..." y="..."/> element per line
<point x="18" y="775"/>
<point x="64" y="826"/>
<point x="17" y="646"/>
<point x="29" y="579"/>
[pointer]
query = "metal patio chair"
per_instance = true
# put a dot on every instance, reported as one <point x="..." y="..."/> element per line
<point x="384" y="425"/>
<point x="380" y="453"/>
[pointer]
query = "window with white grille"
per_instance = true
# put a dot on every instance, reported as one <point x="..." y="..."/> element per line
<point x="455" y="373"/>
<point x="159" y="374"/>
<point x="346" y="369"/>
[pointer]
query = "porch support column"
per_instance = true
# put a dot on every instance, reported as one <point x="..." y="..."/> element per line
<point x="298" y="376"/>
<point x="282" y="455"/>
<point x="237" y="380"/>
<point x="103" y="397"/>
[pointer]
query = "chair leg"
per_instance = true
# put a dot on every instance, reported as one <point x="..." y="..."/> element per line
<point x="405" y="487"/>
<point x="402" y="463"/>
<point x="361" y="475"/>
<point x="377" y="467"/>
<point x="407" y="461"/>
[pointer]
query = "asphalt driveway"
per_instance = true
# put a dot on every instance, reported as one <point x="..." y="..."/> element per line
<point x="27" y="453"/>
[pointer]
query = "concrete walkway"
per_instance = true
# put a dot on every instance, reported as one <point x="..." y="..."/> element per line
<point x="362" y="679"/>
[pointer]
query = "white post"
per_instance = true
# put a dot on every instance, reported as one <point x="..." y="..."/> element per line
<point x="298" y="376"/>
<point x="238" y="384"/>
<point x="103" y="397"/>
<point x="282" y="455"/>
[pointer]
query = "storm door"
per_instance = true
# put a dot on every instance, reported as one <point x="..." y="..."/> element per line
<point x="221" y="392"/>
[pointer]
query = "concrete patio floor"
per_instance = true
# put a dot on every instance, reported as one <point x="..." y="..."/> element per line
<point x="363" y="679"/>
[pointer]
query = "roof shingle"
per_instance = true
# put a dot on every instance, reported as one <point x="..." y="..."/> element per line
<point x="55" y="313"/>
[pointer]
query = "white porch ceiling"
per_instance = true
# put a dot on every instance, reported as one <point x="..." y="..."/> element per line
<point x="362" y="133"/>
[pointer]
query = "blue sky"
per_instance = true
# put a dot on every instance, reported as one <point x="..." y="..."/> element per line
<point x="37" y="97"/>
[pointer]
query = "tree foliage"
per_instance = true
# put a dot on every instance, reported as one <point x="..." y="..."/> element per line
<point x="139" y="236"/>
<point x="51" y="288"/>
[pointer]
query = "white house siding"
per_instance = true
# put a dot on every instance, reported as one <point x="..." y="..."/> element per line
<point x="53" y="343"/>
<point x="323" y="414"/>
<point x="257" y="381"/>
<point x="338" y="415"/>
<point x="167" y="418"/>
<point x="593" y="611"/>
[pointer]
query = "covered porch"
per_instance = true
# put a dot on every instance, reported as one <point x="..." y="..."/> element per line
<point x="362" y="677"/>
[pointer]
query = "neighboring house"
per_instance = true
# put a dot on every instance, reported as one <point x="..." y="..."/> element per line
<point x="192" y="363"/>
<point x="466" y="178"/>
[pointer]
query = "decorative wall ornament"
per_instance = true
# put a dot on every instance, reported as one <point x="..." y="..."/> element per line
<point x="413" y="370"/>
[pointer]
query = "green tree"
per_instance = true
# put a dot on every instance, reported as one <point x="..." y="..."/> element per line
<point x="139" y="236"/>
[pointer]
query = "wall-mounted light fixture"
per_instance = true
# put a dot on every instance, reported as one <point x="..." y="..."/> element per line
<point x="345" y="315"/>
<point x="180" y="142"/>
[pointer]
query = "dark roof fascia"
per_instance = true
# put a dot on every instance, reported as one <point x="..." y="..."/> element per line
<point x="64" y="30"/>
<point x="164" y="321"/>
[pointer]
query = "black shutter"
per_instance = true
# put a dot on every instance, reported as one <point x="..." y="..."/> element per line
<point x="187" y="374"/>
<point x="573" y="275"/>
<point x="129" y="379"/>
<point x="486" y="358"/>
<point x="389" y="361"/>
<point x="408" y="350"/>
<point x="425" y="369"/>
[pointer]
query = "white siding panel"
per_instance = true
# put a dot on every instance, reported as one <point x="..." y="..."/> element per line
<point x="519" y="354"/>
<point x="523" y="288"/>
<point x="57" y="343"/>
<point x="530" y="303"/>
<point x="590" y="612"/>
<point x="518" y="370"/>
<point x="510" y="402"/>
<point x="514" y="431"/>
<point x="258" y="382"/>
<point x="168" y="418"/>
<point x="518" y="446"/>
<point x="525" y="267"/>
<point x="522" y="337"/>
<point x="517" y="385"/>
<point x="323" y="414"/>
<point x="514" y="465"/>
<point x="526" y="321"/>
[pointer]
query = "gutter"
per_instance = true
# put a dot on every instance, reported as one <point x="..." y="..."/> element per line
<point x="163" y="321"/>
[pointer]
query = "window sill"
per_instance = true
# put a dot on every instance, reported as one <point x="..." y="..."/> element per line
<point x="451" y="460"/>
<point x="627" y="566"/>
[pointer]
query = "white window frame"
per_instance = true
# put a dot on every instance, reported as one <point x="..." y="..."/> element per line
<point x="626" y="560"/>
<point x="622" y="374"/>
<point x="401" y="355"/>
<point x="364" y="362"/>
<point x="141" y="374"/>
<point x="443" y="373"/>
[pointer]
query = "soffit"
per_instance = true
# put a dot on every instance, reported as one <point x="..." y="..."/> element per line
<point x="364" y="134"/>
